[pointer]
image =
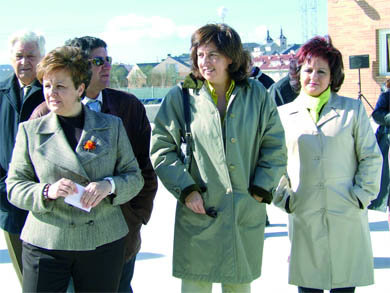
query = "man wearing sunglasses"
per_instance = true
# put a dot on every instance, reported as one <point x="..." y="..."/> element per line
<point x="126" y="106"/>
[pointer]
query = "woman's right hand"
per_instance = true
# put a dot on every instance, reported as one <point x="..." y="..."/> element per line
<point x="194" y="202"/>
<point x="62" y="188"/>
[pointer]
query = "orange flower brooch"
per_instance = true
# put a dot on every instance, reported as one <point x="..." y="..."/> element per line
<point x="90" y="145"/>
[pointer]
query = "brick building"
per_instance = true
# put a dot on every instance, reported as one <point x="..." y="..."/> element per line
<point x="362" y="27"/>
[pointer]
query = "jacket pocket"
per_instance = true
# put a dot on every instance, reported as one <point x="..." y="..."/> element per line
<point x="353" y="199"/>
<point x="291" y="203"/>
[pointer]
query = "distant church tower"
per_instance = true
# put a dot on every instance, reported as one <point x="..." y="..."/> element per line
<point x="282" y="41"/>
<point x="269" y="39"/>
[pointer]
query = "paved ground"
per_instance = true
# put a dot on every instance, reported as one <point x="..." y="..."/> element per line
<point x="153" y="266"/>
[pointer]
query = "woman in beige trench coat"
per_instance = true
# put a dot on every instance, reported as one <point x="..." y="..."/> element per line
<point x="333" y="173"/>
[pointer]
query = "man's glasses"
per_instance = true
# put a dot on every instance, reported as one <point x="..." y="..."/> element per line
<point x="99" y="61"/>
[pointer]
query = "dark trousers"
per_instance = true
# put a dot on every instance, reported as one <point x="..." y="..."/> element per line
<point x="96" y="270"/>
<point x="127" y="276"/>
<point x="309" y="290"/>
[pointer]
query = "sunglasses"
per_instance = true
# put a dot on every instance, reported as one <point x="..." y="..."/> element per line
<point x="99" y="61"/>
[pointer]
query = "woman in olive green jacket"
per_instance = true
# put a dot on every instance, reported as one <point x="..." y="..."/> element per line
<point x="238" y="158"/>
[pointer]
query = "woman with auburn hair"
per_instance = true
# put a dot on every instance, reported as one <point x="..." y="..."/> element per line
<point x="333" y="173"/>
<point x="237" y="156"/>
<point x="72" y="153"/>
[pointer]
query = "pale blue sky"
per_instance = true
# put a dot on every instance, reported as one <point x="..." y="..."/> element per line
<point x="147" y="30"/>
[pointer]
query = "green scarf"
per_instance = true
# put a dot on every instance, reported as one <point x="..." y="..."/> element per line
<point x="315" y="104"/>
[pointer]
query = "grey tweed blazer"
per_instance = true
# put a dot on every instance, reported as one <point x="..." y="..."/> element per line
<point x="42" y="155"/>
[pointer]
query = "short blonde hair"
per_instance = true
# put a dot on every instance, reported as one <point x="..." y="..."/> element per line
<point x="70" y="59"/>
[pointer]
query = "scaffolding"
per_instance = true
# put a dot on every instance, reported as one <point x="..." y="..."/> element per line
<point x="309" y="19"/>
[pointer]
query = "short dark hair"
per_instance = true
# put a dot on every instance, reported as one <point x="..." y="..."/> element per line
<point x="70" y="59"/>
<point x="318" y="47"/>
<point x="228" y="43"/>
<point x="86" y="44"/>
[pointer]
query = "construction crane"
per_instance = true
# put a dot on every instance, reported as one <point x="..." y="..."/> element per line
<point x="309" y="18"/>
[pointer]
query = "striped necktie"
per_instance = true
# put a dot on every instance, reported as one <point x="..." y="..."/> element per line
<point x="24" y="91"/>
<point x="94" y="105"/>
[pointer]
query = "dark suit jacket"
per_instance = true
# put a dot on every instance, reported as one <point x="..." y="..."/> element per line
<point x="133" y="115"/>
<point x="43" y="155"/>
<point x="381" y="115"/>
<point x="12" y="112"/>
<point x="282" y="91"/>
<point x="265" y="80"/>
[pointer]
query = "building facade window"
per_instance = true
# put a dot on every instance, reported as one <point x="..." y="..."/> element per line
<point x="384" y="52"/>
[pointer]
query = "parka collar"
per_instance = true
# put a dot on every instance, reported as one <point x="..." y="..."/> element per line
<point x="191" y="82"/>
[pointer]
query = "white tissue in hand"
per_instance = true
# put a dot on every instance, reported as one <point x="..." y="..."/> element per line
<point x="74" y="199"/>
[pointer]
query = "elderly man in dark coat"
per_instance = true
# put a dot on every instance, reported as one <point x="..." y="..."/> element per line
<point x="19" y="95"/>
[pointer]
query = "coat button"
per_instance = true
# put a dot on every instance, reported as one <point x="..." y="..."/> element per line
<point x="90" y="223"/>
<point x="232" y="115"/>
<point x="232" y="167"/>
<point x="72" y="225"/>
<point x="233" y="140"/>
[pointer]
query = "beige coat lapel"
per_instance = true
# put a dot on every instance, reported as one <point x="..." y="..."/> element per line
<point x="329" y="112"/>
<point x="301" y="115"/>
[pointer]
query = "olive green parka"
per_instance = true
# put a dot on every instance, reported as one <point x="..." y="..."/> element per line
<point x="244" y="155"/>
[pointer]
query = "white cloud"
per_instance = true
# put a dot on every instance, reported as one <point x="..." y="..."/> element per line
<point x="136" y="38"/>
<point x="185" y="31"/>
<point x="258" y="35"/>
<point x="261" y="32"/>
<point x="132" y="28"/>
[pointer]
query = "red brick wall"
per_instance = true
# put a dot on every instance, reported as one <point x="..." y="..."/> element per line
<point x="353" y="26"/>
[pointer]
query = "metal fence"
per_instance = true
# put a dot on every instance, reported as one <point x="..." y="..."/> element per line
<point x="148" y="95"/>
